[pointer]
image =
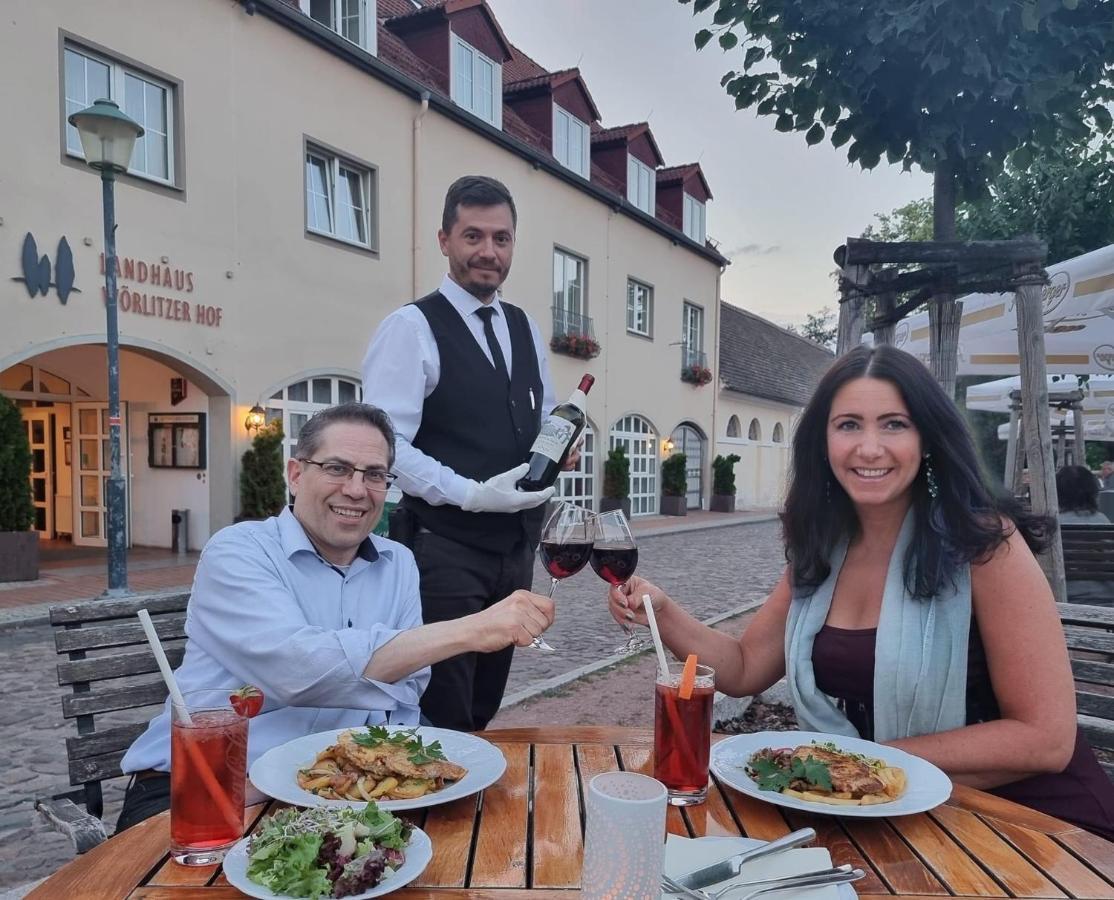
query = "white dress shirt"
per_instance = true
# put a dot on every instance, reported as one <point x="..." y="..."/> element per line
<point x="267" y="610"/>
<point x="402" y="368"/>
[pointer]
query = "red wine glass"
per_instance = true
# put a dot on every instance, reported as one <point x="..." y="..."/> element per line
<point x="565" y="547"/>
<point x="614" y="557"/>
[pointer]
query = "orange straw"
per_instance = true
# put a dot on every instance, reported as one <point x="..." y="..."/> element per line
<point x="688" y="678"/>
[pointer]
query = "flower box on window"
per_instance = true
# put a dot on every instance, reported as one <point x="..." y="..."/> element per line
<point x="578" y="345"/>
<point x="696" y="374"/>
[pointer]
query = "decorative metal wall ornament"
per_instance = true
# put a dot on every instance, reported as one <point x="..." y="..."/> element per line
<point x="37" y="270"/>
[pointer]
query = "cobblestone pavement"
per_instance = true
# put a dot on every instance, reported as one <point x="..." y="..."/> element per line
<point x="709" y="571"/>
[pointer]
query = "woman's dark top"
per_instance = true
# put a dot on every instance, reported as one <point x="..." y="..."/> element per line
<point x="843" y="663"/>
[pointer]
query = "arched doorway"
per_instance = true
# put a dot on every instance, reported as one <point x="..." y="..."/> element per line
<point x="640" y="441"/>
<point x="579" y="485"/>
<point x="690" y="440"/>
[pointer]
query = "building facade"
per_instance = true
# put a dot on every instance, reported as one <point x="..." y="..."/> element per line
<point x="285" y="197"/>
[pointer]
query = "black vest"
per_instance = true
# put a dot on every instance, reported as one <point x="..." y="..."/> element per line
<point x="478" y="425"/>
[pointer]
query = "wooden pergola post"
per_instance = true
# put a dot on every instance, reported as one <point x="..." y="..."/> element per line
<point x="885" y="306"/>
<point x="851" y="305"/>
<point x="1030" y="279"/>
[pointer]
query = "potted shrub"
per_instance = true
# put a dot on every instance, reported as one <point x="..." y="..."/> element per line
<point x="723" y="483"/>
<point x="262" y="486"/>
<point x="674" y="486"/>
<point x="616" y="482"/>
<point x="19" y="546"/>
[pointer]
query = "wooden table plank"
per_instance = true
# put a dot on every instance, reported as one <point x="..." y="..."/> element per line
<point x="571" y="734"/>
<point x="952" y="865"/>
<point x="172" y="873"/>
<point x="593" y="760"/>
<point x="1063" y="868"/>
<point x="712" y="818"/>
<point x="557" y="840"/>
<point x="640" y="758"/>
<point x="1093" y="849"/>
<point x="762" y="821"/>
<point x="991" y="805"/>
<point x="1020" y="878"/>
<point x="829" y="834"/>
<point x="898" y="865"/>
<point x="105" y="871"/>
<point x="500" y="857"/>
<point x="450" y="827"/>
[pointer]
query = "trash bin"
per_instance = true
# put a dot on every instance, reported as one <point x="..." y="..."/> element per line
<point x="180" y="531"/>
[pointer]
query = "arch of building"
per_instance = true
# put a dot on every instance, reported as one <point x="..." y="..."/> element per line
<point x="638" y="436"/>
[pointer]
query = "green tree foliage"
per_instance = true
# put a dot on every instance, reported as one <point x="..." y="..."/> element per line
<point x="911" y="222"/>
<point x="16" y="510"/>
<point x="820" y="327"/>
<point x="262" y="488"/>
<point x="673" y="481"/>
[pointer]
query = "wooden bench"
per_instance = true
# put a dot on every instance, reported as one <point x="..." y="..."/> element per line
<point x="1090" y="635"/>
<point x="109" y="668"/>
<point x="1088" y="552"/>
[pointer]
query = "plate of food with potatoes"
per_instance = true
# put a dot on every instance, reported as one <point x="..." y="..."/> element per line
<point x="397" y="767"/>
<point x="833" y="774"/>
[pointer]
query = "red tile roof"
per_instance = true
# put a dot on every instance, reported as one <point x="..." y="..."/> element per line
<point x="394" y="52"/>
<point x="521" y="66"/>
<point x="554" y="80"/>
<point x="682" y="174"/>
<point x="626" y="134"/>
<point x="389" y="9"/>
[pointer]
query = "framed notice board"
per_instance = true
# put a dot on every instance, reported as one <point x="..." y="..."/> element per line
<point x="176" y="440"/>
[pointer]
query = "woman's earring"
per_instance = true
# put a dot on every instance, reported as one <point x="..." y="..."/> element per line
<point x="930" y="477"/>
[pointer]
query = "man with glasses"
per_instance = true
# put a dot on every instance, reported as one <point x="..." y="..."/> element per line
<point x="319" y="613"/>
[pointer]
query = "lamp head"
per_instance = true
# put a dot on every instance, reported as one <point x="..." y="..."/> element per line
<point x="256" y="418"/>
<point x="107" y="135"/>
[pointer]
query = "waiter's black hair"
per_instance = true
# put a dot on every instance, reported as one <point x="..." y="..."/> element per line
<point x="475" y="190"/>
<point x="309" y="438"/>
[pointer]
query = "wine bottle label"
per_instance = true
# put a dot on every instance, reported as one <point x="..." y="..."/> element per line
<point x="554" y="437"/>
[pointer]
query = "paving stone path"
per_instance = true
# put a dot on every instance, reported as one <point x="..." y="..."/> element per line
<point x="710" y="571"/>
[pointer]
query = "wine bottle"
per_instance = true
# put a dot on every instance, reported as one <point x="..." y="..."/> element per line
<point x="560" y="431"/>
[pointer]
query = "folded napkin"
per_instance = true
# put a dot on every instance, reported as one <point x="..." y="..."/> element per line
<point x="683" y="855"/>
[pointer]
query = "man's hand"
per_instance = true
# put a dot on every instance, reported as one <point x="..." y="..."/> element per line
<point x="498" y="494"/>
<point x="573" y="459"/>
<point x="516" y="619"/>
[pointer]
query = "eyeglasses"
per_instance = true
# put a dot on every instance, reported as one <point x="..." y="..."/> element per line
<point x="339" y="473"/>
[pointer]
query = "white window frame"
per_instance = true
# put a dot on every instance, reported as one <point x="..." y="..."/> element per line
<point x="478" y="62"/>
<point x="734" y="427"/>
<point x="367" y="37"/>
<point x="564" y="259"/>
<point x="280" y="406"/>
<point x="694" y="222"/>
<point x="569" y="132"/>
<point x="118" y="73"/>
<point x="579" y="485"/>
<point x="692" y="323"/>
<point x="640" y="315"/>
<point x="639" y="439"/>
<point x="641" y="185"/>
<point x="335" y="165"/>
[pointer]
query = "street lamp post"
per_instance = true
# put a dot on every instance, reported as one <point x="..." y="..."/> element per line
<point x="108" y="138"/>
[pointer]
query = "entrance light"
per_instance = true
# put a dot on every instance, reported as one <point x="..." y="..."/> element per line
<point x="256" y="418"/>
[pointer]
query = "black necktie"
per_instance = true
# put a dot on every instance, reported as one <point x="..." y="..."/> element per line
<point x="485" y="313"/>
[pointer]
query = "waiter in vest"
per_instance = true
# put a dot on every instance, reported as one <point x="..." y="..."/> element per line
<point x="464" y="377"/>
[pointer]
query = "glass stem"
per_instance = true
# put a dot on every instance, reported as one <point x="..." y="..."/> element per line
<point x="552" y="586"/>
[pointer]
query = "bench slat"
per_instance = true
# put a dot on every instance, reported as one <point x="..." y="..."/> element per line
<point x="103" y="667"/>
<point x="1083" y="614"/>
<point x="100" y="610"/>
<point x="1099" y="732"/>
<point x="95" y="768"/>
<point x="1089" y="639"/>
<point x="111" y="740"/>
<point x="167" y="627"/>
<point x="1092" y="672"/>
<point x="1100" y="706"/>
<point x="132" y="697"/>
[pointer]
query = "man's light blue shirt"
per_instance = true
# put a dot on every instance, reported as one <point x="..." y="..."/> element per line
<point x="267" y="610"/>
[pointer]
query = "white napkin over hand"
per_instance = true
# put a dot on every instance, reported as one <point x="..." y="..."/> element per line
<point x="684" y="855"/>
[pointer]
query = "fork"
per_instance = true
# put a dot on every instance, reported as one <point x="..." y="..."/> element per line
<point x="841" y="875"/>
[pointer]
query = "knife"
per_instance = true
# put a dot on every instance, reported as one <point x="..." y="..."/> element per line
<point x="730" y="867"/>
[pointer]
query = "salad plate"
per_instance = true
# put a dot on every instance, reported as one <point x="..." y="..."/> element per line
<point x="926" y="786"/>
<point x="275" y="773"/>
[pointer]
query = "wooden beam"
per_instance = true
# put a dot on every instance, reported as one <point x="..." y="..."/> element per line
<point x="850" y="329"/>
<point x="861" y="252"/>
<point x="885" y="319"/>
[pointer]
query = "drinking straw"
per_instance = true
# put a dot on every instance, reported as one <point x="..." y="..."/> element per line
<point x="663" y="664"/>
<point x="200" y="764"/>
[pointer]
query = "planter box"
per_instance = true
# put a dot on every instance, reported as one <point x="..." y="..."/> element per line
<point x="609" y="503"/>
<point x="19" y="555"/>
<point x="722" y="503"/>
<point x="674" y="506"/>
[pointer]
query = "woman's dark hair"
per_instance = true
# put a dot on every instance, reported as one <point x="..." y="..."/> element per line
<point x="963" y="524"/>
<point x="1077" y="489"/>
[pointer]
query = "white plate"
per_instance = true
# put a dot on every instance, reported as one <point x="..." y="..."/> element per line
<point x="418" y="854"/>
<point x="275" y="773"/>
<point x="680" y="859"/>
<point x="927" y="786"/>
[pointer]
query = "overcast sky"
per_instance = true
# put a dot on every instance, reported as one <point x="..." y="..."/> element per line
<point x="780" y="207"/>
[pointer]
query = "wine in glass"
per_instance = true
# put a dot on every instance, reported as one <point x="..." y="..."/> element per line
<point x="565" y="547"/>
<point x="614" y="557"/>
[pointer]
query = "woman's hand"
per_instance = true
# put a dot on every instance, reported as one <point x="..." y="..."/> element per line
<point x="625" y="601"/>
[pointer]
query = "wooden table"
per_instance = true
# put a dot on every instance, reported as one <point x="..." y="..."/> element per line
<point x="502" y="845"/>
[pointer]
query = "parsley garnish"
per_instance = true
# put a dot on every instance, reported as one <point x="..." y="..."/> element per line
<point x="769" y="775"/>
<point x="408" y="740"/>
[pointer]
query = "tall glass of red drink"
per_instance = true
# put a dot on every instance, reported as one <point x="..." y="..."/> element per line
<point x="683" y="734"/>
<point x="208" y="772"/>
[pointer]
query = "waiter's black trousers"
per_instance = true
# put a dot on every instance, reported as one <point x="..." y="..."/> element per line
<point x="464" y="691"/>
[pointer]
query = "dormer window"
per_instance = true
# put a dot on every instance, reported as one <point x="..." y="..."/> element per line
<point x="477" y="82"/>
<point x="641" y="184"/>
<point x="348" y="18"/>
<point x="570" y="141"/>
<point x="693" y="224"/>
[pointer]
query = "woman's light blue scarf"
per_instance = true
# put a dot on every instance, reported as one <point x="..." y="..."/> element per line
<point x="920" y="654"/>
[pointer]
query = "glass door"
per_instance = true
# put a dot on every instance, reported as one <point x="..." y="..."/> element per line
<point x="37" y="424"/>
<point x="689" y="441"/>
<point x="92" y="466"/>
